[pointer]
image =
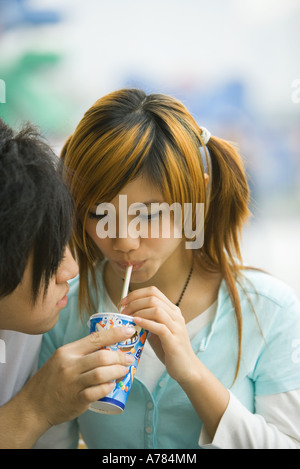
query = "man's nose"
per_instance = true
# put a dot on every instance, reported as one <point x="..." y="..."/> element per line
<point x="68" y="268"/>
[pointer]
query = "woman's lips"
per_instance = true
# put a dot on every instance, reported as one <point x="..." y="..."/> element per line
<point x="135" y="265"/>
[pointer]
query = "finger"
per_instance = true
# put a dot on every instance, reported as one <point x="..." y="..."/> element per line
<point x="156" y="328"/>
<point x="94" y="393"/>
<point x="146" y="293"/>
<point x="102" y="375"/>
<point x="156" y="316"/>
<point x="104" y="358"/>
<point x="100" y="339"/>
<point x="154" y="310"/>
<point x="152" y="302"/>
<point x="141" y="304"/>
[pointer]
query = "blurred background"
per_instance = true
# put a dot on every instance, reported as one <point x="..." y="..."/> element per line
<point x="235" y="65"/>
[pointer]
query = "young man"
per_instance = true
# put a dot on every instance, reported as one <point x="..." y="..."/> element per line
<point x="35" y="265"/>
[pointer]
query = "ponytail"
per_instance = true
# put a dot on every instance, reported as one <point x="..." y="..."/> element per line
<point x="227" y="211"/>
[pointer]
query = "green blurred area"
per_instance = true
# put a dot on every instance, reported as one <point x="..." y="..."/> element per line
<point x="32" y="95"/>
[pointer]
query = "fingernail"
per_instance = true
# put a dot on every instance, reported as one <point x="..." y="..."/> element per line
<point x="121" y="307"/>
<point x="129" y="331"/>
<point x="129" y="359"/>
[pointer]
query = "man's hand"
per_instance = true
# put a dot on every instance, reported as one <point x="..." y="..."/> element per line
<point x="76" y="375"/>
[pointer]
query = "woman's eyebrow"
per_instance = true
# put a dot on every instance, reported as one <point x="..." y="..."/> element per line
<point x="147" y="203"/>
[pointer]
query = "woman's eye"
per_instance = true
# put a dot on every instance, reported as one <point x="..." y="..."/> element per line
<point x="150" y="216"/>
<point x="95" y="216"/>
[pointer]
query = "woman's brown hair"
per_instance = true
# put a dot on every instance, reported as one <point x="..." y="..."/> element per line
<point x="128" y="133"/>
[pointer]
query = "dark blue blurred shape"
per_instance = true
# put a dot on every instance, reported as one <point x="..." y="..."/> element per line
<point x="225" y="102"/>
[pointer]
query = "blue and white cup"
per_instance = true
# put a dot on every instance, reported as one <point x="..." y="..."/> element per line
<point x="114" y="402"/>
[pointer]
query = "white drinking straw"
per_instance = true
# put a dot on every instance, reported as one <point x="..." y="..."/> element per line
<point x="126" y="283"/>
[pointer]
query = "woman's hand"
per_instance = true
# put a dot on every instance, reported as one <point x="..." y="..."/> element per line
<point x="169" y="338"/>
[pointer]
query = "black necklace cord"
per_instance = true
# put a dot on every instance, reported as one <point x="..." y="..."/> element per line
<point x="185" y="286"/>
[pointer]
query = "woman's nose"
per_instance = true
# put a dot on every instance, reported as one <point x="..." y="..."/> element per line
<point x="126" y="244"/>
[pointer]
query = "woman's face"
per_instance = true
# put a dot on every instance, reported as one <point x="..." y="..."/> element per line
<point x="124" y="246"/>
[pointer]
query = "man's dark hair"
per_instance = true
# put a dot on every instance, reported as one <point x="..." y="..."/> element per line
<point x="36" y="209"/>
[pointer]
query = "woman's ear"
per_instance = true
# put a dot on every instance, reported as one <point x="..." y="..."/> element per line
<point x="206" y="177"/>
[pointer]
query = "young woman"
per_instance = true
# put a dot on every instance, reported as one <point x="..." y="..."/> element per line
<point x="222" y="365"/>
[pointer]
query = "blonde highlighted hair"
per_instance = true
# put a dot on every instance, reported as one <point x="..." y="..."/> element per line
<point x="128" y="133"/>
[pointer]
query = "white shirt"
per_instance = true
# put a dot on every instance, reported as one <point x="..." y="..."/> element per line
<point x="270" y="427"/>
<point x="18" y="363"/>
